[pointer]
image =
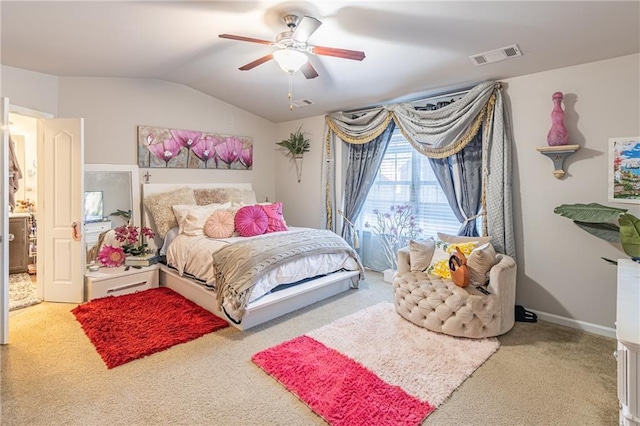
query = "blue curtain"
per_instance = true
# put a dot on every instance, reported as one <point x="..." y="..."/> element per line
<point x="460" y="176"/>
<point x="362" y="167"/>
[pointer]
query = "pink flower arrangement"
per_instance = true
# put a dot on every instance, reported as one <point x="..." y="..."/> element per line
<point x="111" y="257"/>
<point x="132" y="239"/>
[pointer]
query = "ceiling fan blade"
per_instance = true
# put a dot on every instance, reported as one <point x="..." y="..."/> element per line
<point x="309" y="71"/>
<point x="249" y="39"/>
<point x="257" y="62"/>
<point x="305" y="28"/>
<point x="338" y="53"/>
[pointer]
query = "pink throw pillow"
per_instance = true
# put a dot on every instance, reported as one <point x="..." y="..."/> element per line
<point x="251" y="221"/>
<point x="219" y="225"/>
<point x="274" y="214"/>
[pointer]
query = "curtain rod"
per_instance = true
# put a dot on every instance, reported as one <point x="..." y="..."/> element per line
<point x="364" y="110"/>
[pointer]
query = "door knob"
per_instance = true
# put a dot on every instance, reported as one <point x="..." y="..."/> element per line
<point x="11" y="237"/>
<point x="75" y="231"/>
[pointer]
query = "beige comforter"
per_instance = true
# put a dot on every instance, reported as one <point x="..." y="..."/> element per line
<point x="238" y="266"/>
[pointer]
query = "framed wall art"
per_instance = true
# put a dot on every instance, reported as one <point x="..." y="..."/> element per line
<point x="624" y="170"/>
<point x="161" y="147"/>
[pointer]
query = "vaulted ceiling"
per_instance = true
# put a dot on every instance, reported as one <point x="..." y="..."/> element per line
<point x="413" y="49"/>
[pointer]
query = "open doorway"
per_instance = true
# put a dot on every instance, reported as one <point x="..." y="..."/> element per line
<point x="23" y="216"/>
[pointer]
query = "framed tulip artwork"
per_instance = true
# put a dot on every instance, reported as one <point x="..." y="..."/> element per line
<point x="161" y="147"/>
<point x="624" y="170"/>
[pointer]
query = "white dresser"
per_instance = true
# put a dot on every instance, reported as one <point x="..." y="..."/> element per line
<point x="628" y="335"/>
<point x="92" y="231"/>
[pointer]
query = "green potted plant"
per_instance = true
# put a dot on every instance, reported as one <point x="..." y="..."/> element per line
<point x="598" y="220"/>
<point x="124" y="214"/>
<point x="295" y="146"/>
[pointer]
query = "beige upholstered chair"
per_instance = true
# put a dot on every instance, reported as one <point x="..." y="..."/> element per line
<point x="439" y="305"/>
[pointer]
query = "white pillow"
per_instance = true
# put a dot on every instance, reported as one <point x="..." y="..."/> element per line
<point x="180" y="211"/>
<point x="420" y="253"/>
<point x="480" y="261"/>
<point x="195" y="217"/>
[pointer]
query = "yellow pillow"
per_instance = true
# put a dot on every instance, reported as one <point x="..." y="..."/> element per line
<point x="440" y="262"/>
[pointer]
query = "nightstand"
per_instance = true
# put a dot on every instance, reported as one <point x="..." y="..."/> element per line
<point x="118" y="281"/>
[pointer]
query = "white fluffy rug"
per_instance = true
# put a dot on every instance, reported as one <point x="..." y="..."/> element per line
<point x="22" y="292"/>
<point x="425" y="364"/>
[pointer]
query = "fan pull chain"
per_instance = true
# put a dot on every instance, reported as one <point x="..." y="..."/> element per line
<point x="290" y="92"/>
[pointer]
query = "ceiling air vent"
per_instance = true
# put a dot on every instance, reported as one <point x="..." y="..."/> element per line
<point x="496" y="55"/>
<point x="300" y="103"/>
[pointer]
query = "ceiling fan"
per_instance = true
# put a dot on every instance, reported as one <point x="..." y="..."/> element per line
<point x="292" y="46"/>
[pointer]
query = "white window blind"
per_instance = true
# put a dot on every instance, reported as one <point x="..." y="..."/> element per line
<point x="405" y="177"/>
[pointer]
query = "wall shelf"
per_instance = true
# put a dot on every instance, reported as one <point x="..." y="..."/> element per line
<point x="557" y="155"/>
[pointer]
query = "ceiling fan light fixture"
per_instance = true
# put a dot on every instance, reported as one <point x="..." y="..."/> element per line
<point x="290" y="60"/>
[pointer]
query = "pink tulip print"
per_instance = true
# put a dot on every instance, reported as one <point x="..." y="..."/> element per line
<point x="246" y="157"/>
<point x="205" y="150"/>
<point x="177" y="148"/>
<point x="229" y="151"/>
<point x="186" y="138"/>
<point x="166" y="150"/>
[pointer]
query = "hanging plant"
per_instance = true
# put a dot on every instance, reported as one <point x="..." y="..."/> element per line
<point x="295" y="146"/>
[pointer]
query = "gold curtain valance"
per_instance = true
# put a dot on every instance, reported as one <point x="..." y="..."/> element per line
<point x="435" y="134"/>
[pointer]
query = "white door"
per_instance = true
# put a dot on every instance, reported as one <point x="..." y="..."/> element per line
<point x="4" y="224"/>
<point x="61" y="253"/>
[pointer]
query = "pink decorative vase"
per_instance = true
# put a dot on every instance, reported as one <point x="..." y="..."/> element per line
<point x="558" y="133"/>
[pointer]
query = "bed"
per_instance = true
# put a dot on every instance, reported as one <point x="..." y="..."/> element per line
<point x="246" y="280"/>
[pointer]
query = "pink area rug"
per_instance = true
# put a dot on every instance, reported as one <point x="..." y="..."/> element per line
<point x="374" y="368"/>
<point x="132" y="326"/>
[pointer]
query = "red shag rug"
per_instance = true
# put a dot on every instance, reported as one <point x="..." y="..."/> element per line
<point x="374" y="368"/>
<point x="128" y="327"/>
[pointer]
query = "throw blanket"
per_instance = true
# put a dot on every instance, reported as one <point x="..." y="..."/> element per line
<point x="238" y="266"/>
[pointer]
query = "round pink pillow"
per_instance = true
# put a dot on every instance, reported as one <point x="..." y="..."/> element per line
<point x="219" y="225"/>
<point x="251" y="221"/>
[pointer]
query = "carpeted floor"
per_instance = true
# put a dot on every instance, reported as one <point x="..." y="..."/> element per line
<point x="543" y="374"/>
<point x="22" y="291"/>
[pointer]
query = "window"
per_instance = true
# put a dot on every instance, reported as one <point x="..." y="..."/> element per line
<point x="405" y="177"/>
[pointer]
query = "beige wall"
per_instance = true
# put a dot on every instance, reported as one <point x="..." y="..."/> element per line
<point x="302" y="201"/>
<point x="559" y="267"/>
<point x="30" y="89"/>
<point x="112" y="109"/>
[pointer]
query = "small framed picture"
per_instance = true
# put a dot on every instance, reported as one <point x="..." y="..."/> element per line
<point x="624" y="170"/>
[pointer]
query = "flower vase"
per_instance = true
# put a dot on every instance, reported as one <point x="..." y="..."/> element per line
<point x="557" y="135"/>
<point x="297" y="160"/>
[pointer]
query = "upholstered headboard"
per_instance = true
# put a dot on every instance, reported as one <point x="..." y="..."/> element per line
<point x="181" y="197"/>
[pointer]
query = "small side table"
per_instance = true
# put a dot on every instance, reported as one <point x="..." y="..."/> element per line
<point x="121" y="280"/>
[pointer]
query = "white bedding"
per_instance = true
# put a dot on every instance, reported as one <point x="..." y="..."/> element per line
<point x="193" y="255"/>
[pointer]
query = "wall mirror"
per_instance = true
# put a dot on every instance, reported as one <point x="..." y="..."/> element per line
<point x="112" y="187"/>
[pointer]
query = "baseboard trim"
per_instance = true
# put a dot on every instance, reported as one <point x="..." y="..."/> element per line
<point x="580" y="325"/>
